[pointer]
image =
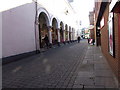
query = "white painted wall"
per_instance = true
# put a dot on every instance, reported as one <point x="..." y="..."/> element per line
<point x="18" y="34"/>
<point x="0" y="35"/>
<point x="0" y="50"/>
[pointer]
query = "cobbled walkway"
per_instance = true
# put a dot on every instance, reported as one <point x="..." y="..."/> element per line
<point x="76" y="65"/>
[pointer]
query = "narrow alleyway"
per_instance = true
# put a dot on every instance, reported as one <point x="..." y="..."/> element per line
<point x="75" y="65"/>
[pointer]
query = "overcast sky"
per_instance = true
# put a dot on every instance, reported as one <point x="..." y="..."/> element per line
<point x="82" y="7"/>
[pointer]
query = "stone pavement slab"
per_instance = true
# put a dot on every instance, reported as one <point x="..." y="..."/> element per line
<point x="94" y="72"/>
<point x="87" y="81"/>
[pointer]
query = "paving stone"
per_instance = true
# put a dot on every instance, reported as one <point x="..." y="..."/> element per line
<point x="70" y="85"/>
<point x="78" y="86"/>
<point x="105" y="81"/>
<point x="89" y="56"/>
<point x="87" y="81"/>
<point x="103" y="73"/>
<point x="86" y="67"/>
<point x="85" y="74"/>
<point x="100" y="86"/>
<point x="101" y="67"/>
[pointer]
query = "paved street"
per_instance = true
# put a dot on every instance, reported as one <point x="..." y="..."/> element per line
<point x="75" y="65"/>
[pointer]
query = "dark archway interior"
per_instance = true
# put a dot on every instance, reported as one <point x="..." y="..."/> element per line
<point x="70" y="33"/>
<point x="66" y="32"/>
<point x="43" y="30"/>
<point x="54" y="31"/>
<point x="61" y="31"/>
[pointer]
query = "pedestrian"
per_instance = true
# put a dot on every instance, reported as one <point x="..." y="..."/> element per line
<point x="46" y="41"/>
<point x="88" y="40"/>
<point x="78" y="39"/>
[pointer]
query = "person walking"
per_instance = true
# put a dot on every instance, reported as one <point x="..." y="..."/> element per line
<point x="46" y="41"/>
<point x="78" y="39"/>
<point x="88" y="40"/>
<point x="93" y="41"/>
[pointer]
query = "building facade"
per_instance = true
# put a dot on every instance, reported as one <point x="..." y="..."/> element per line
<point x="24" y="27"/>
<point x="107" y="28"/>
<point x="91" y="20"/>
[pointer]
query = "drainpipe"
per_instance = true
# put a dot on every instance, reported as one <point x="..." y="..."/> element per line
<point x="36" y="23"/>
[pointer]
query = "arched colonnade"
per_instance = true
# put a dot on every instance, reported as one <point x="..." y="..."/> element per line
<point x="57" y="31"/>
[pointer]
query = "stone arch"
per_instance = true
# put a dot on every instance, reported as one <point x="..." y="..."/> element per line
<point x="54" y="31"/>
<point x="61" y="32"/>
<point x="66" y="32"/>
<point x="46" y="14"/>
<point x="54" y="23"/>
<point x="43" y="20"/>
<point x="61" y="25"/>
<point x="66" y="27"/>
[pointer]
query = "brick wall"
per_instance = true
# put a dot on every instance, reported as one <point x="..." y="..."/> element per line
<point x="104" y="41"/>
<point x="119" y="45"/>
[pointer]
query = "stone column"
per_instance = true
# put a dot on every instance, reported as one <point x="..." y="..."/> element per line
<point x="71" y="36"/>
<point x="50" y="34"/>
<point x="64" y="35"/>
<point x="68" y="37"/>
<point x="58" y="31"/>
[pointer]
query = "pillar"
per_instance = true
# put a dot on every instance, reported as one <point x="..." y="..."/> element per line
<point x="68" y="37"/>
<point x="71" y="36"/>
<point x="50" y="35"/>
<point x="58" y="31"/>
<point x="64" y="35"/>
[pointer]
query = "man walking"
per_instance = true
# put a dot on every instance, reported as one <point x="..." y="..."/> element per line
<point x="46" y="41"/>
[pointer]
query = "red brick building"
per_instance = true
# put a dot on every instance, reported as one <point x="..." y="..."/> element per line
<point x="107" y="30"/>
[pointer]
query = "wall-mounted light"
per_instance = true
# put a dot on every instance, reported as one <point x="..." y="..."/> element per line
<point x="66" y="11"/>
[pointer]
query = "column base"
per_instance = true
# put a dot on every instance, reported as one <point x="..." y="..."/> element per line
<point x="58" y="43"/>
<point x="68" y="42"/>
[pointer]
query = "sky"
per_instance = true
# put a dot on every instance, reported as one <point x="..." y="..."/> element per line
<point x="82" y="8"/>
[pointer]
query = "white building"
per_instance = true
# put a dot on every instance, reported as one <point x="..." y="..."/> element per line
<point x="25" y="26"/>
